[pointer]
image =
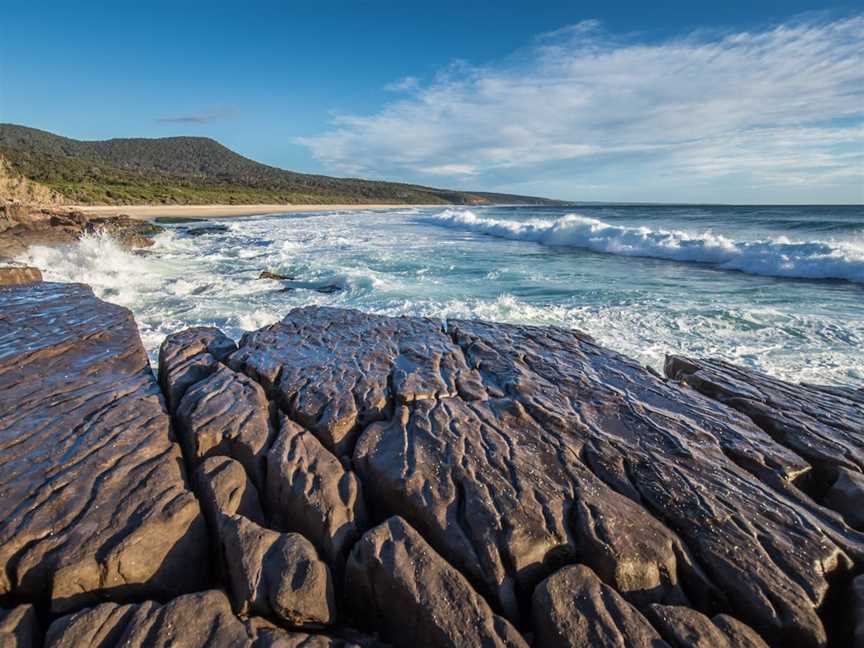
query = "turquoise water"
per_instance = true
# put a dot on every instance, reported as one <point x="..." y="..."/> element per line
<point x="779" y="289"/>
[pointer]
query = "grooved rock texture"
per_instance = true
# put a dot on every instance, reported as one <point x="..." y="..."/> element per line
<point x="397" y="584"/>
<point x="276" y="574"/>
<point x="201" y="620"/>
<point x="93" y="502"/>
<point x="19" y="628"/>
<point x="686" y="628"/>
<point x="573" y="608"/>
<point x="309" y="491"/>
<point x="226" y="414"/>
<point x="224" y="489"/>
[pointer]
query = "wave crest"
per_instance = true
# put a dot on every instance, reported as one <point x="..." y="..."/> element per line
<point x="774" y="258"/>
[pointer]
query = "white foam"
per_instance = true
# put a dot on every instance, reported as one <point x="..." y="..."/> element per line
<point x="776" y="258"/>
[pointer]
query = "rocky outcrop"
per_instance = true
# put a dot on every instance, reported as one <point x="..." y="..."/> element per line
<point x="309" y="491"/>
<point x="276" y="574"/>
<point x="18" y="275"/>
<point x="93" y="501"/>
<point x="202" y="620"/>
<point x="396" y="584"/>
<point x="574" y="608"/>
<point x="23" y="225"/>
<point x="19" y="628"/>
<point x="529" y="487"/>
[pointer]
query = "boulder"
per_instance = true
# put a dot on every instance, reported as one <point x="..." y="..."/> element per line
<point x="201" y="620"/>
<point x="19" y="275"/>
<point x="93" y="500"/>
<point x="19" y="628"/>
<point x="276" y="574"/>
<point x="224" y="489"/>
<point x="226" y="413"/>
<point x="686" y="628"/>
<point x="189" y="356"/>
<point x="573" y="608"/>
<point x="846" y="496"/>
<point x="309" y="491"/>
<point x="398" y="586"/>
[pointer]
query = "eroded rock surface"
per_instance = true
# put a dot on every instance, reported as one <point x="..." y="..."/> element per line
<point x="686" y="628"/>
<point x="19" y="628"/>
<point x="276" y="574"/>
<point x="93" y="502"/>
<point x="15" y="275"/>
<point x="309" y="491"/>
<point x="201" y="620"/>
<point x="573" y="608"/>
<point x="396" y="584"/>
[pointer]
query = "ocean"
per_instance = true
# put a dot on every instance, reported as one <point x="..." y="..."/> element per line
<point x="778" y="289"/>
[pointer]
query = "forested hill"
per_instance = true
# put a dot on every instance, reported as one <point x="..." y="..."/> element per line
<point x="196" y="170"/>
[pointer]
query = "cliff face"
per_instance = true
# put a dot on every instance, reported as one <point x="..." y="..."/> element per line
<point x="15" y="188"/>
<point x="370" y="479"/>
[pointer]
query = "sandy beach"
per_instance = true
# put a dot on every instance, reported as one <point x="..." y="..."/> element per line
<point x="146" y="212"/>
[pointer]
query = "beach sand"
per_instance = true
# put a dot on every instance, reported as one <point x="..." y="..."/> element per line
<point x="146" y="212"/>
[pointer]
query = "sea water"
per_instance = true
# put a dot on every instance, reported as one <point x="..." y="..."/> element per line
<point x="778" y="289"/>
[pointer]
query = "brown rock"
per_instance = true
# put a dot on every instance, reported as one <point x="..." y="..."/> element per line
<point x="276" y="574"/>
<point x="846" y="496"/>
<point x="190" y="356"/>
<point x="739" y="634"/>
<point x="93" y="502"/>
<point x="686" y="628"/>
<point x="278" y="277"/>
<point x="397" y="585"/>
<point x="19" y="628"/>
<point x="309" y="491"/>
<point x="19" y="275"/>
<point x="202" y="620"/>
<point x="228" y="414"/>
<point x="224" y="490"/>
<point x="573" y="608"/>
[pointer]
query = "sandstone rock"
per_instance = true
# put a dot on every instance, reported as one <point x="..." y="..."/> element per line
<point x="825" y="428"/>
<point x="397" y="585"/>
<point x="19" y="628"/>
<point x="739" y="634"/>
<point x="573" y="608"/>
<point x="93" y="502"/>
<point x="202" y="620"/>
<point x="686" y="628"/>
<point x="310" y="492"/>
<point x="19" y="275"/>
<point x="846" y="496"/>
<point x="189" y="356"/>
<point x="276" y="574"/>
<point x="329" y="369"/>
<point x="224" y="490"/>
<point x="228" y="414"/>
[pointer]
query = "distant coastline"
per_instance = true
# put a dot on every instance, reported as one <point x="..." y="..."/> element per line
<point x="148" y="212"/>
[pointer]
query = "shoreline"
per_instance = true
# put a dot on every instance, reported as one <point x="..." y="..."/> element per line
<point x="147" y="212"/>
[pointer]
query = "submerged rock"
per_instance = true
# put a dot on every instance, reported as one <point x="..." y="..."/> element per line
<point x="94" y="504"/>
<point x="278" y="277"/>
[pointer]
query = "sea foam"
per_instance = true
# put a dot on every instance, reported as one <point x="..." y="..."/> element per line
<point x="779" y="257"/>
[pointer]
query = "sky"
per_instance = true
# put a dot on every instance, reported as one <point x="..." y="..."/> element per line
<point x="733" y="102"/>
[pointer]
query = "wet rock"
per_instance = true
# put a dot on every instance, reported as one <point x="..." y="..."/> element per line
<point x="202" y="230"/>
<point x="686" y="628"/>
<point x="226" y="413"/>
<point x="19" y="628"/>
<point x="276" y="574"/>
<point x="189" y="356"/>
<point x="573" y="608"/>
<point x="19" y="275"/>
<point x="93" y="502"/>
<point x="825" y="428"/>
<point x="846" y="496"/>
<point x="273" y="275"/>
<point x="397" y="585"/>
<point x="202" y="620"/>
<point x="309" y="491"/>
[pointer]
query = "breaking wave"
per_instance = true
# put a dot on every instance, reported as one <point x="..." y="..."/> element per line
<point x="779" y="257"/>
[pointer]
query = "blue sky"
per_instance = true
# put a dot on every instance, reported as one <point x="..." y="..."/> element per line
<point x="665" y="101"/>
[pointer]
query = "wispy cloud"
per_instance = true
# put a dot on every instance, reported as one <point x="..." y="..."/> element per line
<point x="772" y="106"/>
<point x="198" y="118"/>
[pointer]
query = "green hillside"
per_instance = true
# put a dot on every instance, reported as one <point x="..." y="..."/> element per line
<point x="196" y="170"/>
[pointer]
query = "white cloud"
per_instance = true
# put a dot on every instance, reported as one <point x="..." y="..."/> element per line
<point x="775" y="106"/>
